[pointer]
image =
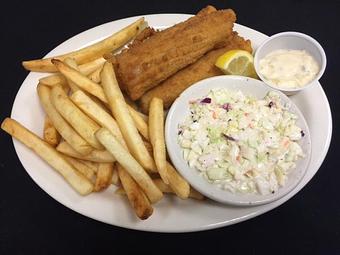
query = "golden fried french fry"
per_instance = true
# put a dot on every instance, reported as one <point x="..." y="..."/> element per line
<point x="73" y="64"/>
<point x="156" y="133"/>
<point x="51" y="134"/>
<point x="90" y="164"/>
<point x="125" y="122"/>
<point x="177" y="183"/>
<point x="148" y="146"/>
<point x="82" y="168"/>
<point x="53" y="80"/>
<point x="95" y="112"/>
<point x="104" y="176"/>
<point x="85" y="69"/>
<point x="80" y="80"/>
<point x="125" y="159"/>
<point x="85" y="126"/>
<point x="95" y="75"/>
<point x="115" y="176"/>
<point x="167" y="189"/>
<point x="100" y="156"/>
<point x="140" y="123"/>
<point x="49" y="155"/>
<point x="91" y="52"/>
<point x="64" y="129"/>
<point x="136" y="196"/>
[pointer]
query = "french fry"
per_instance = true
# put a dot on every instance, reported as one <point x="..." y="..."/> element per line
<point x="156" y="133"/>
<point x="82" y="168"/>
<point x="95" y="112"/>
<point x="130" y="164"/>
<point x="49" y="155"/>
<point x="90" y="164"/>
<point x="85" y="126"/>
<point x="125" y="122"/>
<point x="51" y="134"/>
<point x="95" y="75"/>
<point x="104" y="176"/>
<point x="80" y="80"/>
<point x="85" y="69"/>
<point x="91" y="52"/>
<point x="115" y="176"/>
<point x="177" y="183"/>
<point x="65" y="130"/>
<point x="166" y="189"/>
<point x="72" y="63"/>
<point x="100" y="156"/>
<point x="140" y="123"/>
<point x="136" y="196"/>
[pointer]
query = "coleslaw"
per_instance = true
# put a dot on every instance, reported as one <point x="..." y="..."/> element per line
<point x="240" y="143"/>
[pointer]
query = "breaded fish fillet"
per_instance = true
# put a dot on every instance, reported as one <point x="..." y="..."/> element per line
<point x="205" y="67"/>
<point x="146" y="64"/>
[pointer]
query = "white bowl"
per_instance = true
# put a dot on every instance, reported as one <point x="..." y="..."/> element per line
<point x="291" y="41"/>
<point x="180" y="110"/>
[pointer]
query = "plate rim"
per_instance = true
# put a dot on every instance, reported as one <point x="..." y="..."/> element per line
<point x="195" y="228"/>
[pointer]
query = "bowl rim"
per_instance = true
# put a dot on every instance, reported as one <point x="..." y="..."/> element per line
<point x="208" y="190"/>
<point x="297" y="34"/>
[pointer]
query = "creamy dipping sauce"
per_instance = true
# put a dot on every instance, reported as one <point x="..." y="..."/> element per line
<point x="289" y="68"/>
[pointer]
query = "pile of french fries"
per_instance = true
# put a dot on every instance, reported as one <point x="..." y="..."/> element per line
<point x="92" y="136"/>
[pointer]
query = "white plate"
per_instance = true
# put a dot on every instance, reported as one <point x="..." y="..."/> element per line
<point x="171" y="214"/>
<point x="248" y="86"/>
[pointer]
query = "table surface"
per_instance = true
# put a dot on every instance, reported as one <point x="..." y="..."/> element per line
<point x="31" y="222"/>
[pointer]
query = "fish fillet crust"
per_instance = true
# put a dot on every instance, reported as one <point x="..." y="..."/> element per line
<point x="146" y="64"/>
<point x="204" y="68"/>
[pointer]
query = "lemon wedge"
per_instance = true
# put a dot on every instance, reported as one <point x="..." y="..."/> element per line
<point x="237" y="62"/>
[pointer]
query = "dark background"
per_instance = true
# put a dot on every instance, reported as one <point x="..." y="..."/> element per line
<point x="31" y="222"/>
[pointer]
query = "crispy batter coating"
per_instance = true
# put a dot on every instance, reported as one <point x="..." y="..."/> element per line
<point x="147" y="63"/>
<point x="205" y="67"/>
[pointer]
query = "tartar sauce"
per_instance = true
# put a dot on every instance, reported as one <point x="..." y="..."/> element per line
<point x="289" y="68"/>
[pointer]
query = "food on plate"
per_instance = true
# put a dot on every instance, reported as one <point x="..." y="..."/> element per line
<point x="95" y="75"/>
<point x="80" y="80"/>
<point x="84" y="125"/>
<point x="136" y="196"/>
<point x="95" y="112"/>
<point x="81" y="167"/>
<point x="146" y="64"/>
<point x="49" y="155"/>
<point x="237" y="62"/>
<point x="73" y="64"/>
<point x="289" y="68"/>
<point x="95" y="134"/>
<point x="104" y="176"/>
<point x="204" y="68"/>
<point x="240" y="143"/>
<point x="157" y="140"/>
<point x="51" y="134"/>
<point x="167" y="189"/>
<point x="130" y="164"/>
<point x="177" y="183"/>
<point x="85" y="69"/>
<point x="91" y="52"/>
<point x="67" y="132"/>
<point x="115" y="177"/>
<point x="100" y="156"/>
<point x="140" y="122"/>
<point x="125" y="122"/>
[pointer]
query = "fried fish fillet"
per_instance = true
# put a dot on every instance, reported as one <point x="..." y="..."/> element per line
<point x="205" y="67"/>
<point x="147" y="63"/>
